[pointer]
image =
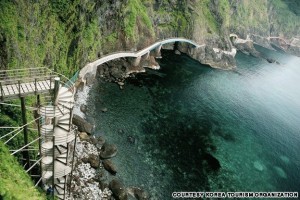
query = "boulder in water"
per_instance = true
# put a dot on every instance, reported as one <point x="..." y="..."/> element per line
<point x="285" y="159"/>
<point x="82" y="124"/>
<point x="212" y="162"/>
<point x="83" y="108"/>
<point x="257" y="165"/>
<point x="100" y="142"/>
<point x="118" y="190"/>
<point x="94" y="161"/>
<point x="108" y="151"/>
<point x="138" y="193"/>
<point x="109" y="166"/>
<point x="104" y="109"/>
<point x="280" y="172"/>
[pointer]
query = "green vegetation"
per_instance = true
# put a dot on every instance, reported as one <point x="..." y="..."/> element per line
<point x="136" y="15"/>
<point x="15" y="183"/>
<point x="208" y="16"/>
<point x="65" y="35"/>
<point x="287" y="21"/>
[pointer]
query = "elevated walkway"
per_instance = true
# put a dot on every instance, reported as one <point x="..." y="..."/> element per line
<point x="23" y="82"/>
<point x="92" y="67"/>
<point x="57" y="135"/>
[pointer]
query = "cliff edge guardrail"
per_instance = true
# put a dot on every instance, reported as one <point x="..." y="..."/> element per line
<point x="91" y="67"/>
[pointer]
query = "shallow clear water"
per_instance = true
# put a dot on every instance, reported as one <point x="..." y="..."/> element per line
<point x="164" y="122"/>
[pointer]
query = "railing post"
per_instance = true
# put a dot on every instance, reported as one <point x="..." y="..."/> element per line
<point x="35" y="87"/>
<point x="71" y="177"/>
<point x="26" y="153"/>
<point x="39" y="131"/>
<point x="65" y="183"/>
<point x="50" y="82"/>
<point x="56" y="88"/>
<point x="2" y="93"/>
<point x="53" y="167"/>
<point x="19" y="83"/>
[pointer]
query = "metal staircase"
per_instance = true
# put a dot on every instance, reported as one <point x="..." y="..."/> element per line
<point x="56" y="139"/>
<point x="57" y="134"/>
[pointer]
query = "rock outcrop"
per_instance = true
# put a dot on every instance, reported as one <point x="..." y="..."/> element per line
<point x="82" y="124"/>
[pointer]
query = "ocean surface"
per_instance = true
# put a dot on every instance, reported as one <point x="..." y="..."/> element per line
<point x="166" y="122"/>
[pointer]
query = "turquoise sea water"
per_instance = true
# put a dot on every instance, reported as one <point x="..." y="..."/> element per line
<point x="165" y="122"/>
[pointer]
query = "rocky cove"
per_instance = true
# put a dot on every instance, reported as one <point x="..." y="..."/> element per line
<point x="98" y="171"/>
<point x="94" y="171"/>
<point x="221" y="115"/>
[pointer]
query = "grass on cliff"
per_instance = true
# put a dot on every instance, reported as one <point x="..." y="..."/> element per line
<point x="134" y="11"/>
<point x="15" y="183"/>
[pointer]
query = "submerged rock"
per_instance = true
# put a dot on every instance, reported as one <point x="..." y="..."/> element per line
<point x="285" y="159"/>
<point x="212" y="162"/>
<point x="131" y="139"/>
<point x="83" y="108"/>
<point x="100" y="142"/>
<point x="138" y="193"/>
<point x="108" y="151"/>
<point x="257" y="165"/>
<point x="118" y="190"/>
<point x="94" y="161"/>
<point x="104" y="109"/>
<point x="280" y="172"/>
<point x="109" y="166"/>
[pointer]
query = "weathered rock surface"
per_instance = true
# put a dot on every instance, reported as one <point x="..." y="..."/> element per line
<point x="109" y="166"/>
<point x="94" y="161"/>
<point x="83" y="108"/>
<point x="82" y="124"/>
<point x="213" y="163"/>
<point x="118" y="190"/>
<point x="108" y="151"/>
<point x="138" y="193"/>
<point x="84" y="136"/>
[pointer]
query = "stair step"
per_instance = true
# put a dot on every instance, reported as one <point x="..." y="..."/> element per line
<point x="66" y="105"/>
<point x="64" y="155"/>
<point x="59" y="190"/>
<point x="61" y="180"/>
<point x="64" y="126"/>
<point x="62" y="160"/>
<point x="50" y="111"/>
<point x="65" y="95"/>
<point x="61" y="169"/>
<point x="47" y="127"/>
<point x="64" y="117"/>
<point x="47" y="174"/>
<point x="66" y="122"/>
<point x="47" y="145"/>
<point x="63" y="90"/>
<point x="58" y="131"/>
<point x="61" y="149"/>
<point x="60" y="185"/>
<point x="47" y="160"/>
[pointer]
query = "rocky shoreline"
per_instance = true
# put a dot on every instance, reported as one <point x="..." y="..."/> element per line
<point x="94" y="171"/>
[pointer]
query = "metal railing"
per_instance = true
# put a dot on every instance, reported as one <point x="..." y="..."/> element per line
<point x="15" y="82"/>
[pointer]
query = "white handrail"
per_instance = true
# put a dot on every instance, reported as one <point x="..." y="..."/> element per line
<point x="92" y="66"/>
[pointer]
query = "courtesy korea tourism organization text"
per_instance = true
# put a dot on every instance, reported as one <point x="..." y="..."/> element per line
<point x="279" y="195"/>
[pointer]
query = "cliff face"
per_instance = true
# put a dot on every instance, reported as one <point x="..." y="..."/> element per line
<point x="66" y="35"/>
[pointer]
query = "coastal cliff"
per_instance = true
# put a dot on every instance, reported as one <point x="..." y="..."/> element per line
<point x="66" y="35"/>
